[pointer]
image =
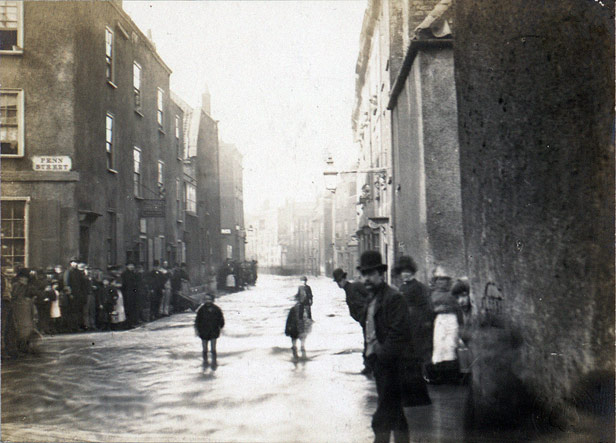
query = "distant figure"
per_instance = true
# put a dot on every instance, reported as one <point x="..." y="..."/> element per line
<point x="304" y="296"/>
<point x="299" y="326"/>
<point x="357" y="297"/>
<point x="208" y="323"/>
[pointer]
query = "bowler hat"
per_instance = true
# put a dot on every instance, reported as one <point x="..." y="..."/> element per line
<point x="303" y="278"/>
<point x="405" y="263"/>
<point x="371" y="260"/>
<point x="338" y="274"/>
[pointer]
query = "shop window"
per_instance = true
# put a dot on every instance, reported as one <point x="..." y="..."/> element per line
<point x="14" y="235"/>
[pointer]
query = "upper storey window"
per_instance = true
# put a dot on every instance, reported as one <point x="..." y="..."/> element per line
<point x="159" y="104"/>
<point x="137" y="85"/>
<point x="109" y="53"/>
<point x="11" y="27"/>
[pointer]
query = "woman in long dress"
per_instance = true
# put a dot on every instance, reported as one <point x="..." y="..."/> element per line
<point x="118" y="315"/>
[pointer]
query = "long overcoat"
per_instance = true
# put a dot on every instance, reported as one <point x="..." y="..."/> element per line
<point x="396" y="355"/>
<point x="417" y="296"/>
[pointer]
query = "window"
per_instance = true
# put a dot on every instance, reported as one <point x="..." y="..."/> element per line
<point x="137" y="85"/>
<point x="137" y="171"/>
<point x="161" y="173"/>
<point x="191" y="198"/>
<point x="159" y="104"/>
<point x="111" y="238"/>
<point x="178" y="145"/>
<point x="14" y="238"/>
<point x="109" y="55"/>
<point x="109" y="140"/>
<point x="178" y="197"/>
<point x="11" y="122"/>
<point x="11" y="26"/>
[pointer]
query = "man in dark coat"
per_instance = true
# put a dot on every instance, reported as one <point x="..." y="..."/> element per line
<point x="208" y="323"/>
<point x="75" y="287"/>
<point x="417" y="296"/>
<point x="389" y="349"/>
<point x="130" y="291"/>
<point x="356" y="299"/>
<point x="157" y="283"/>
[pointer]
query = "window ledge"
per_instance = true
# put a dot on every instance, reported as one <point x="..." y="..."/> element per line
<point x="12" y="51"/>
<point x="112" y="84"/>
<point x="138" y="197"/>
<point x="180" y="221"/>
<point x="11" y="155"/>
<point x="113" y="171"/>
<point x="180" y="159"/>
<point x="138" y="112"/>
<point x="161" y="131"/>
<point x="194" y="214"/>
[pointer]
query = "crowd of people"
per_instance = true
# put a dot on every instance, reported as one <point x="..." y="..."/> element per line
<point x="412" y="335"/>
<point x="234" y="275"/>
<point x="80" y="298"/>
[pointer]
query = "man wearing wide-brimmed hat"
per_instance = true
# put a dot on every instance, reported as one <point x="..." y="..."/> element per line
<point x="389" y="349"/>
<point x="356" y="299"/>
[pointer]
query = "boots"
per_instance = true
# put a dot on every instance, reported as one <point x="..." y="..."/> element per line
<point x="294" y="349"/>
<point x="214" y="363"/>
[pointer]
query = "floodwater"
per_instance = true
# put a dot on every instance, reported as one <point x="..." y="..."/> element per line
<point x="148" y="384"/>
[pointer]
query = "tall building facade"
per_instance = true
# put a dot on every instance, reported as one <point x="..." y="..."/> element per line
<point x="233" y="233"/>
<point x="92" y="144"/>
<point x="427" y="206"/>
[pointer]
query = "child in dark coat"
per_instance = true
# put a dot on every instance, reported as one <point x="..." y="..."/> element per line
<point x="208" y="323"/>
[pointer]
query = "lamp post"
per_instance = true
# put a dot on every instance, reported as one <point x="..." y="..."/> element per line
<point x="331" y="182"/>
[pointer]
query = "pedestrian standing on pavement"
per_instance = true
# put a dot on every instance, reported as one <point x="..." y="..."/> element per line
<point x="445" y="366"/>
<point x="54" y="294"/>
<point x="417" y="296"/>
<point x="208" y="323"/>
<point x="304" y="296"/>
<point x="298" y="326"/>
<point x="356" y="299"/>
<point x="118" y="315"/>
<point x="389" y="349"/>
<point x="130" y="291"/>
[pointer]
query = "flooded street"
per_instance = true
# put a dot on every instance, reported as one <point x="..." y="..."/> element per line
<point x="148" y="384"/>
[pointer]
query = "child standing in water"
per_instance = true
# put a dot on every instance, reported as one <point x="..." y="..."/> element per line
<point x="299" y="326"/>
<point x="208" y="324"/>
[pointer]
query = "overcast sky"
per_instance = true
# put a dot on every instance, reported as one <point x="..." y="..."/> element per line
<point x="281" y="75"/>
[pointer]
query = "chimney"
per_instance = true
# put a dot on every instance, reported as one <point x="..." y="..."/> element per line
<point x="206" y="99"/>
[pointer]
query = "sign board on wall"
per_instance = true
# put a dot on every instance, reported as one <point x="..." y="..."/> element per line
<point x="152" y="208"/>
<point x="225" y="231"/>
<point x="56" y="163"/>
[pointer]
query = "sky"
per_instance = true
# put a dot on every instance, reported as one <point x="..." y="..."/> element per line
<point x="282" y="79"/>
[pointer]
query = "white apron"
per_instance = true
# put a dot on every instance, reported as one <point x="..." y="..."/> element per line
<point x="445" y="338"/>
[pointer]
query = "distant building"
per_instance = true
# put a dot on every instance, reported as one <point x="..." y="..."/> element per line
<point x="262" y="238"/>
<point x="201" y="195"/>
<point x="233" y="234"/>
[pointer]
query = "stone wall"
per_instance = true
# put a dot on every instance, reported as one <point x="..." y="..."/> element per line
<point x="535" y="89"/>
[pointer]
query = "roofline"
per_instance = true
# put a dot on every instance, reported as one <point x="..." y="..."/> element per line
<point x="144" y="37"/>
<point x="414" y="47"/>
